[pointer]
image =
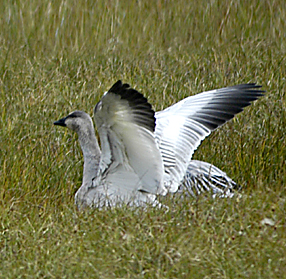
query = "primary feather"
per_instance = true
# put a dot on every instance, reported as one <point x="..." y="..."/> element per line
<point x="181" y="128"/>
<point x="144" y="154"/>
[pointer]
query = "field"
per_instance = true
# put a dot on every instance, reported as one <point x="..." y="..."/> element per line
<point x="59" y="56"/>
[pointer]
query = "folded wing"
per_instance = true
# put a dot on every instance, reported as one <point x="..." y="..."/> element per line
<point x="204" y="177"/>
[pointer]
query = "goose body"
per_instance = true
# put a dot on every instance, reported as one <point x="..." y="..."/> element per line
<point x="144" y="154"/>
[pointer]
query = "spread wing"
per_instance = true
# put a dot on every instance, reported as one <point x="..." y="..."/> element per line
<point x="130" y="158"/>
<point x="181" y="127"/>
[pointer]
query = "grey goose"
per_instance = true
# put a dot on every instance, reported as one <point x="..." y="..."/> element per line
<point x="144" y="154"/>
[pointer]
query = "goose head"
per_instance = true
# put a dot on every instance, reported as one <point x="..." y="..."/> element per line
<point x="77" y="121"/>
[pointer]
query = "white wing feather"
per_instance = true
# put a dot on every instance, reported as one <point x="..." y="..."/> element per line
<point x="181" y="127"/>
<point x="130" y="159"/>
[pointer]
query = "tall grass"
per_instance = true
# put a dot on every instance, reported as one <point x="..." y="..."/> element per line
<point x="58" y="56"/>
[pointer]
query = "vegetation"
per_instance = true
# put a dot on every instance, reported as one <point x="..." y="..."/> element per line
<point x="59" y="56"/>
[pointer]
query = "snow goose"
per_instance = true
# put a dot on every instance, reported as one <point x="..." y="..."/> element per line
<point x="131" y="167"/>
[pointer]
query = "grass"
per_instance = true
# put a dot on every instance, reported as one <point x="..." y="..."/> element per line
<point x="58" y="56"/>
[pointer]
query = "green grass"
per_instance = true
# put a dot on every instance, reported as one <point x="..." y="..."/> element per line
<point x="58" y="56"/>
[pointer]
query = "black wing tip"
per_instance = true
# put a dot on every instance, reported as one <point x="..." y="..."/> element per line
<point x="249" y="87"/>
<point x="127" y="93"/>
<point x="234" y="100"/>
<point x="116" y="86"/>
<point x="136" y="101"/>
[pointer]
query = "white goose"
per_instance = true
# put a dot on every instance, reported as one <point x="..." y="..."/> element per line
<point x="141" y="159"/>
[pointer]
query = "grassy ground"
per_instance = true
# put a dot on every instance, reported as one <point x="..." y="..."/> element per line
<point x="58" y="56"/>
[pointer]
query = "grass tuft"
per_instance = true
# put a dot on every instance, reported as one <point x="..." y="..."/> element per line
<point x="59" y="56"/>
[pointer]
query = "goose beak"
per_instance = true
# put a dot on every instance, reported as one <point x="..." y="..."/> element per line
<point x="61" y="122"/>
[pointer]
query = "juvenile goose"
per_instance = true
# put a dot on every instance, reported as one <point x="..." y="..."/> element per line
<point x="139" y="159"/>
<point x="130" y="169"/>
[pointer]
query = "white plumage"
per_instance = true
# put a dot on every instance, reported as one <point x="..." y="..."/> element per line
<point x="140" y="159"/>
<point x="131" y="166"/>
<point x="181" y="128"/>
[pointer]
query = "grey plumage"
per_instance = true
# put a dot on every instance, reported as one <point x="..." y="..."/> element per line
<point x="81" y="123"/>
<point x="131" y="167"/>
<point x="136" y="164"/>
